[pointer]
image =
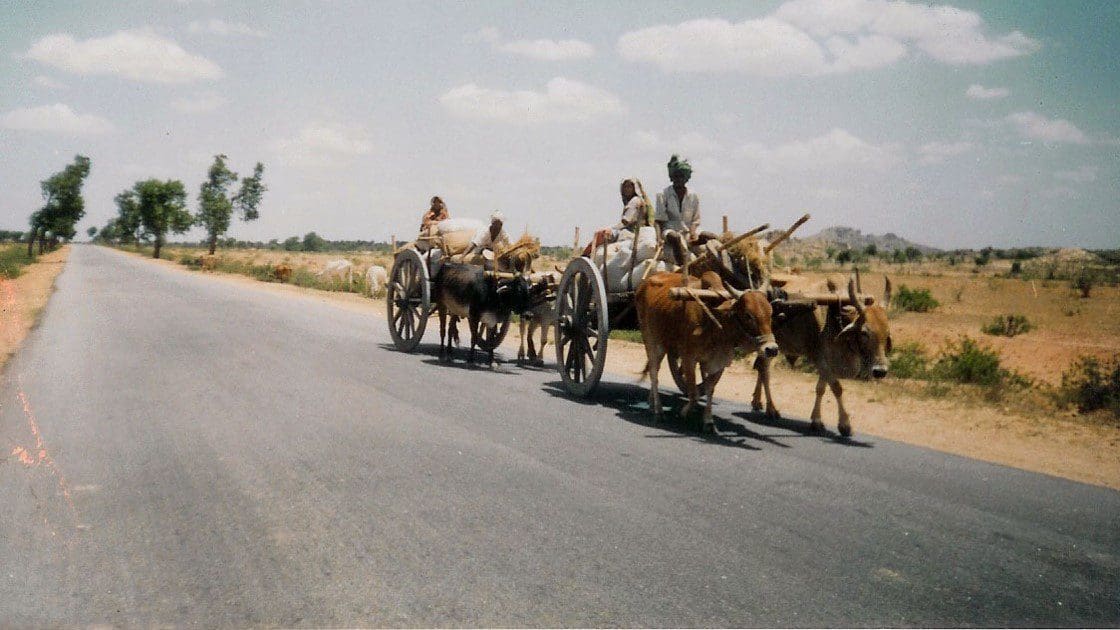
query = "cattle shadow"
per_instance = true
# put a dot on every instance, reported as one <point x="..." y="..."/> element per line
<point x="630" y="402"/>
<point x="803" y="428"/>
<point x="430" y="356"/>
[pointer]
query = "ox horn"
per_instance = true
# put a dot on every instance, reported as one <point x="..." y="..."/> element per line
<point x="856" y="300"/>
<point x="886" y="292"/>
<point x="735" y="293"/>
<point x="859" y="281"/>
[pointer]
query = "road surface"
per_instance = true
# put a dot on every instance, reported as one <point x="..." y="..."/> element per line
<point x="181" y="450"/>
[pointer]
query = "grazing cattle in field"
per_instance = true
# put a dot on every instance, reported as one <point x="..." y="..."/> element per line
<point x="208" y="262"/>
<point x="282" y="273"/>
<point x="700" y="336"/>
<point x="541" y="315"/>
<point x="376" y="277"/>
<point x="853" y="342"/>
<point x="469" y="292"/>
<point x="337" y="271"/>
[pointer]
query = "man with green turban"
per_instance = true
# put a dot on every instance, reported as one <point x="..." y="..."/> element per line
<point x="678" y="209"/>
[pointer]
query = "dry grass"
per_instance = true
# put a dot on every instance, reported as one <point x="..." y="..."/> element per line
<point x="24" y="297"/>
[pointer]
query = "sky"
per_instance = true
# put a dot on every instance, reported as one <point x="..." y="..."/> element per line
<point x="954" y="125"/>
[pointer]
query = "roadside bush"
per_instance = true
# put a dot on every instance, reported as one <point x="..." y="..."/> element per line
<point x="968" y="362"/>
<point x="914" y="300"/>
<point x="1008" y="325"/>
<point x="909" y="360"/>
<point x="1083" y="282"/>
<point x="1091" y="384"/>
<point x="13" y="260"/>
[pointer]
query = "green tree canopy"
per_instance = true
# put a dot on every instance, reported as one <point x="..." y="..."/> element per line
<point x="64" y="205"/>
<point x="128" y="223"/>
<point x="215" y="206"/>
<point x="163" y="209"/>
<point x="312" y="242"/>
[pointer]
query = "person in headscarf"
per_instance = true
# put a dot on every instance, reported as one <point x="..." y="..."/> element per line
<point x="637" y="212"/>
<point x="436" y="213"/>
<point x="678" y="208"/>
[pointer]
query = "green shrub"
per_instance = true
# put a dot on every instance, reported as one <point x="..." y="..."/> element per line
<point x="1008" y="325"/>
<point x="970" y="363"/>
<point x="909" y="360"/>
<point x="914" y="300"/>
<point x="1083" y="282"/>
<point x="13" y="259"/>
<point x="1092" y="384"/>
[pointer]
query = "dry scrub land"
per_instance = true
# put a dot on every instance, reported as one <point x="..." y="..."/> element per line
<point x="1017" y="428"/>
<point x="22" y="299"/>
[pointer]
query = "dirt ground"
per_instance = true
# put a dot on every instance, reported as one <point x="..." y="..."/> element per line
<point x="22" y="300"/>
<point x="1054" y="444"/>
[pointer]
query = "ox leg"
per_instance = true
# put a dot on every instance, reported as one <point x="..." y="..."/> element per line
<point x="472" y="324"/>
<point x="845" y="424"/>
<point x="760" y="365"/>
<point x="764" y="378"/>
<point x="522" y="325"/>
<point x="710" y="380"/>
<point x="442" y="334"/>
<point x="653" y="366"/>
<point x="533" y="323"/>
<point x="688" y="366"/>
<point x="815" y="417"/>
<point x="544" y="342"/>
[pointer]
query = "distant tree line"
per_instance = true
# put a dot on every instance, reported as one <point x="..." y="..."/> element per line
<point x="152" y="209"/>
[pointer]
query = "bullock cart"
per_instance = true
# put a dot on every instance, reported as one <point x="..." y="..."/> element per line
<point x="408" y="295"/>
<point x="589" y="305"/>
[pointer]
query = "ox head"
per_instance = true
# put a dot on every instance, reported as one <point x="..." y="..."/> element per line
<point x="751" y="313"/>
<point x="869" y="332"/>
<point x="514" y="294"/>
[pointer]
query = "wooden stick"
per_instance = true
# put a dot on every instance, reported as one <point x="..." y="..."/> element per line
<point x="725" y="224"/>
<point x="684" y="293"/>
<point x="653" y="262"/>
<point x="575" y="246"/>
<point x="762" y="228"/>
<point x="393" y="244"/>
<point x="787" y="233"/>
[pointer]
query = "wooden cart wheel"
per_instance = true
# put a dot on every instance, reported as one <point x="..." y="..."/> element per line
<point x="678" y="374"/>
<point x="490" y="338"/>
<point x="409" y="300"/>
<point x="582" y="327"/>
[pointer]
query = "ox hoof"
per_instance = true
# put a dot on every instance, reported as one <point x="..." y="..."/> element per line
<point x="538" y="362"/>
<point x="773" y="414"/>
<point x="709" y="428"/>
<point x="816" y="426"/>
<point x="846" y="430"/>
<point x="756" y="405"/>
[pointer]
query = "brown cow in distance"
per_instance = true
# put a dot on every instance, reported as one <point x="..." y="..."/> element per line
<point x="852" y="343"/>
<point x="282" y="273"/>
<point x="699" y="335"/>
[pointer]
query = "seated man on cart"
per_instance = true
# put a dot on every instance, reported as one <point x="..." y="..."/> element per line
<point x="485" y="241"/>
<point x="637" y="212"/>
<point x="678" y="212"/>
<point x="430" y="221"/>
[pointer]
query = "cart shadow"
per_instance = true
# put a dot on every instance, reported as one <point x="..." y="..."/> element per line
<point x="430" y="352"/>
<point x="630" y="402"/>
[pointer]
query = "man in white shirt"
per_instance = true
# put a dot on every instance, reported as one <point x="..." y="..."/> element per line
<point x="678" y="210"/>
<point x="486" y="238"/>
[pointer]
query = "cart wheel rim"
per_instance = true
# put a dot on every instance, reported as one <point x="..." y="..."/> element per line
<point x="582" y="327"/>
<point x="408" y="300"/>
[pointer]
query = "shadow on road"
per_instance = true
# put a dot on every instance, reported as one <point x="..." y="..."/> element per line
<point x="502" y="365"/>
<point x="630" y="403"/>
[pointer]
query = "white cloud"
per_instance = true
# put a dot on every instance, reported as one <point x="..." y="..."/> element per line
<point x="937" y="152"/>
<point x="1038" y="127"/>
<point x="691" y="143"/>
<point x="324" y="144"/>
<point x="978" y="91"/>
<point x="49" y="83"/>
<point x="836" y="149"/>
<point x="1083" y="175"/>
<point x="57" y="118"/>
<point x="199" y="104"/>
<point x="563" y="100"/>
<point x="137" y="55"/>
<point x="814" y="37"/>
<point x="540" y="49"/>
<point x="215" y="26"/>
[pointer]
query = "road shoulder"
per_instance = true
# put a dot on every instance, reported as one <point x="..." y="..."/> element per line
<point x="25" y="298"/>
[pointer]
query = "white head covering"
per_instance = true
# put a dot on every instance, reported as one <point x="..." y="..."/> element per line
<point x="497" y="216"/>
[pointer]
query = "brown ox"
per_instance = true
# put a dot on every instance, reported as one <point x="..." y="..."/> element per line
<point x="853" y="343"/>
<point x="282" y="273"/>
<point x="698" y="335"/>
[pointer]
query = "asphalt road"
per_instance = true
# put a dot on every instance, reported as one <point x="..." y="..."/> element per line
<point x="215" y="455"/>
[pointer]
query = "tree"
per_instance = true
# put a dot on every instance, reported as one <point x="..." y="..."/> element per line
<point x="128" y="222"/>
<point x="312" y="242"/>
<point x="163" y="209"/>
<point x="292" y="244"/>
<point x="64" y="205"/>
<point x="215" y="206"/>
<point x="871" y="250"/>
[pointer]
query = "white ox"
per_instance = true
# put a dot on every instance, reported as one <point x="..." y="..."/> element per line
<point x="376" y="278"/>
<point x="338" y="270"/>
